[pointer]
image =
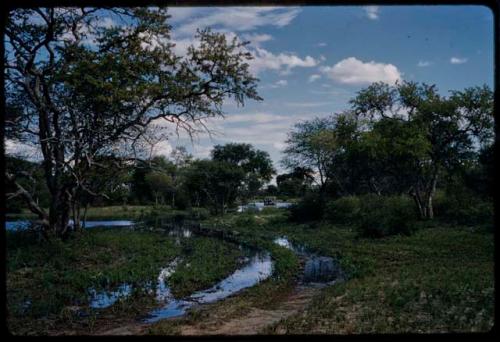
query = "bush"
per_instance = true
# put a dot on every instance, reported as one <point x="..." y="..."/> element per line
<point x="343" y="210"/>
<point x="199" y="213"/>
<point x="246" y="219"/>
<point x="309" y="208"/>
<point x="382" y="216"/>
<point x="463" y="208"/>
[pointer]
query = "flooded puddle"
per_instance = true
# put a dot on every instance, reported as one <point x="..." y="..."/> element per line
<point x="259" y="268"/>
<point x="317" y="269"/>
<point x="106" y="298"/>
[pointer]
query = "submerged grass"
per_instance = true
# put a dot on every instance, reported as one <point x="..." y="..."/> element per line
<point x="205" y="261"/>
<point x="48" y="283"/>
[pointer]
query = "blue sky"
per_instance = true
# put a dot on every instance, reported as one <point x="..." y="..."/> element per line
<point x="312" y="60"/>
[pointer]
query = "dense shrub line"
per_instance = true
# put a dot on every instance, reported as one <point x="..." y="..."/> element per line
<point x="378" y="216"/>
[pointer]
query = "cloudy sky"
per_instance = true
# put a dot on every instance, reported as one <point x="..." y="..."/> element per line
<point x="312" y="60"/>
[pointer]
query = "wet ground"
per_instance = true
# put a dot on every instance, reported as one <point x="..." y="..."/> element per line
<point x="318" y="271"/>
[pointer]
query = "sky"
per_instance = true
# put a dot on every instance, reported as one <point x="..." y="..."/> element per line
<point x="312" y="60"/>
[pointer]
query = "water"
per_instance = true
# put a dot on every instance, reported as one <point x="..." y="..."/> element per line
<point x="103" y="299"/>
<point x="260" y="205"/>
<point x="259" y="268"/>
<point x="317" y="269"/>
<point x="25" y="224"/>
<point x="106" y="298"/>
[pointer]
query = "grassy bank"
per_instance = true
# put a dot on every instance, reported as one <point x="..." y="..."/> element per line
<point x="47" y="283"/>
<point x="440" y="279"/>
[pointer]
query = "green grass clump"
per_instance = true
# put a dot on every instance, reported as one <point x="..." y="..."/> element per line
<point x="205" y="261"/>
<point x="54" y="275"/>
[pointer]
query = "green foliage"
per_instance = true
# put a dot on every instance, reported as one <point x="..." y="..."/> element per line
<point x="464" y="208"/>
<point x="344" y="210"/>
<point x="246" y="219"/>
<point x="309" y="208"/>
<point x="382" y="216"/>
<point x="256" y="165"/>
<point x="199" y="213"/>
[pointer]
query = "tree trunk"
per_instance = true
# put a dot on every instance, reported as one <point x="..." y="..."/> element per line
<point x="59" y="214"/>
<point x="85" y="215"/>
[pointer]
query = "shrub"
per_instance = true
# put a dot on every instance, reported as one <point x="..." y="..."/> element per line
<point x="343" y="210"/>
<point x="199" y="213"/>
<point x="463" y="208"/>
<point x="245" y="220"/>
<point x="309" y="208"/>
<point x="382" y="216"/>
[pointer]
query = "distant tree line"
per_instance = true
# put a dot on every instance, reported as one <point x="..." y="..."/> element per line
<point x="235" y="172"/>
<point x="402" y="140"/>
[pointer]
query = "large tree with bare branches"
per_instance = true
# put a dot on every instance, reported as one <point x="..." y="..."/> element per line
<point x="80" y="83"/>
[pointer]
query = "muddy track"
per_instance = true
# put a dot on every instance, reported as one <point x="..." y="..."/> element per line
<point x="253" y="322"/>
<point x="257" y="319"/>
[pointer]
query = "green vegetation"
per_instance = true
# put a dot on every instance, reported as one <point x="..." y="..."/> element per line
<point x="398" y="186"/>
<point x="439" y="279"/>
<point x="264" y="295"/>
<point x="55" y="276"/>
<point x="206" y="261"/>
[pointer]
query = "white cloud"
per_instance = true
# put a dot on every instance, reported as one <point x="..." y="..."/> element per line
<point x="281" y="83"/>
<point x="242" y="19"/>
<point x="322" y="44"/>
<point x="253" y="118"/>
<point x="283" y="62"/>
<point x="372" y="12"/>
<point x="457" y="60"/>
<point x="256" y="39"/>
<point x="423" y="64"/>
<point x="303" y="104"/>
<point x="239" y="19"/>
<point x="353" y="71"/>
<point x="314" y="77"/>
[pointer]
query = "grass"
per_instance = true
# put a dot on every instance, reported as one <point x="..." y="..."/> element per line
<point x="440" y="279"/>
<point x="55" y="276"/>
<point x="206" y="261"/>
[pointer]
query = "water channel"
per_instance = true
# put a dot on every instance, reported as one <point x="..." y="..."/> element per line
<point x="258" y="267"/>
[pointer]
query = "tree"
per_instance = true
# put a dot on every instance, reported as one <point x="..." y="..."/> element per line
<point x="214" y="183"/>
<point x="420" y="134"/>
<point x="161" y="184"/>
<point x="309" y="145"/>
<point x="256" y="164"/>
<point x="295" y="183"/>
<point x="80" y="90"/>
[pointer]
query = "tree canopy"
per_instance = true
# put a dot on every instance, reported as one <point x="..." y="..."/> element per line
<point x="82" y="90"/>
